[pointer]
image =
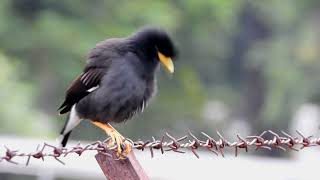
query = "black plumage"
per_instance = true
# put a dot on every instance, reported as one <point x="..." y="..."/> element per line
<point x="119" y="77"/>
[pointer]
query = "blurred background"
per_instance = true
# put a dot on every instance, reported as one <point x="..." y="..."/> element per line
<point x="244" y="66"/>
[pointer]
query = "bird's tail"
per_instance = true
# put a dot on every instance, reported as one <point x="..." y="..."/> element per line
<point x="63" y="139"/>
<point x="72" y="121"/>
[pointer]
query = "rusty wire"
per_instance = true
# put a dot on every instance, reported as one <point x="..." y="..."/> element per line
<point x="282" y="141"/>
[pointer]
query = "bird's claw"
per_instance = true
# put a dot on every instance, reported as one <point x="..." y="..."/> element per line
<point x="122" y="145"/>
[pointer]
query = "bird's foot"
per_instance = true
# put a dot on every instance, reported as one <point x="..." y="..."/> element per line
<point x="122" y="145"/>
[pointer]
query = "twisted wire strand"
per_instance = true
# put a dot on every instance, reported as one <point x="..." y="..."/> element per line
<point x="282" y="141"/>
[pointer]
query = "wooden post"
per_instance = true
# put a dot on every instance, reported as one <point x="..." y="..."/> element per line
<point x="126" y="169"/>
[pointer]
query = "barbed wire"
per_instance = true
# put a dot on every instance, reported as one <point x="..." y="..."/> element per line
<point x="282" y="141"/>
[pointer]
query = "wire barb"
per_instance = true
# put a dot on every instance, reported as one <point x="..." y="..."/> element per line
<point x="168" y="142"/>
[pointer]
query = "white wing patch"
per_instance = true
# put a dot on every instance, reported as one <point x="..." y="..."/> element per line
<point x="93" y="88"/>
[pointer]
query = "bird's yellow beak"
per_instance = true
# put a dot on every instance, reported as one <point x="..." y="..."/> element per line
<point x="167" y="62"/>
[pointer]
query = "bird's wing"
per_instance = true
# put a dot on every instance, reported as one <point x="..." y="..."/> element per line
<point x="81" y="87"/>
<point x="98" y="63"/>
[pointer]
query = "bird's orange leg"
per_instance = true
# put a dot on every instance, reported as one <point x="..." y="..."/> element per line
<point x="116" y="139"/>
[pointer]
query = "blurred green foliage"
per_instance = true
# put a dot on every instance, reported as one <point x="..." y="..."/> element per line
<point x="260" y="58"/>
<point x="17" y="114"/>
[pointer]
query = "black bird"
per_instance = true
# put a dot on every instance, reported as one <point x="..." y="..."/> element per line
<point x="117" y="82"/>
